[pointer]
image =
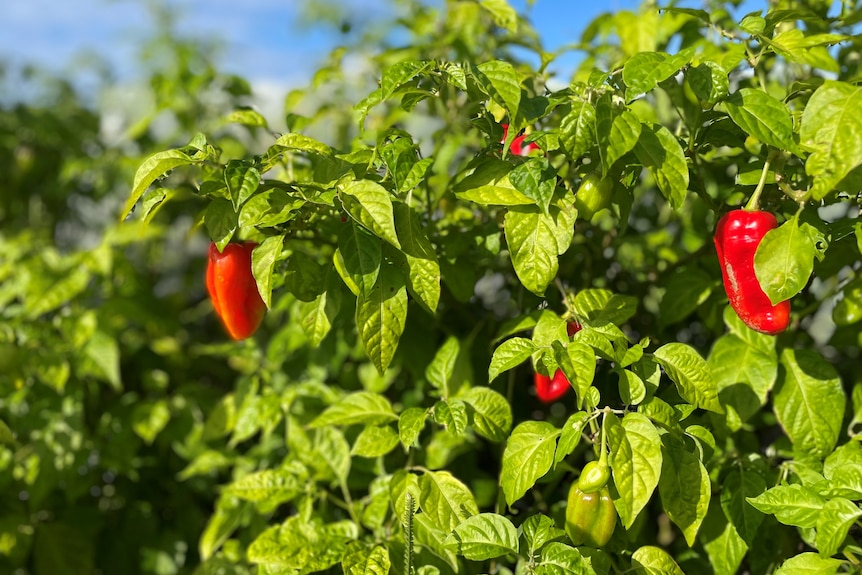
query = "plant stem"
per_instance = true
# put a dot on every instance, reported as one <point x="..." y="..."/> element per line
<point x="754" y="202"/>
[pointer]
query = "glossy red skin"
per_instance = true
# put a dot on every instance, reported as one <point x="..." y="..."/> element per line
<point x="233" y="290"/>
<point x="549" y="389"/>
<point x="737" y="236"/>
<point x="517" y="146"/>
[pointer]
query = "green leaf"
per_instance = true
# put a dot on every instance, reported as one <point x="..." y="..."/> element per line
<point x="685" y="291"/>
<point x="809" y="564"/>
<point x="381" y="315"/>
<point x="358" y="407"/>
<point x="643" y="71"/>
<point x="263" y="263"/>
<point x="538" y="530"/>
<point x="504" y="15"/>
<point x="432" y="539"/>
<point x="360" y="560"/>
<point x="484" y="536"/>
<point x="561" y="559"/>
<point x="229" y="513"/>
<point x="330" y="454"/>
<point x="441" y="369"/>
<point x="784" y="259"/>
<point x="246" y="117"/>
<point x="304" y="277"/>
<point x="597" y="307"/>
<point x="423" y="277"/>
<point x="220" y="220"/>
<point x="370" y="204"/>
<point x="489" y="185"/>
<point x="723" y="545"/>
<point x="528" y="456"/>
<point x="402" y="484"/>
<point x="358" y="258"/>
<point x="848" y="310"/>
<point x="105" y="353"/>
<point x="376" y="510"/>
<point x="490" y="413"/>
<point x="761" y="341"/>
<point x="708" y="81"/>
<point x="833" y="523"/>
<point x="743" y="374"/>
<point x="156" y="166"/>
<point x="534" y="243"/>
<point x="809" y="402"/>
<point x="452" y="415"/>
<point x="270" y="486"/>
<point x="445" y="500"/>
<point x="811" y="50"/>
<point x="500" y="81"/>
<point x="149" y="418"/>
<point x="537" y="180"/>
<point x="269" y="209"/>
<point x="691" y="374"/>
<point x="684" y="487"/>
<point x="300" y="545"/>
<point x="415" y="175"/>
<point x="410" y="425"/>
<point x="300" y="143"/>
<point x="740" y="485"/>
<point x="636" y="461"/>
<point x="509" y="354"/>
<point x="660" y="153"/>
<point x="57" y="293"/>
<point x="753" y="23"/>
<point x="578" y="362"/>
<point x="617" y="132"/>
<point x="317" y="316"/>
<point x="152" y="201"/>
<point x="374" y="441"/>
<point x="242" y="180"/>
<point x="638" y="32"/>
<point x="650" y="560"/>
<point x="578" y="129"/>
<point x="762" y="116"/>
<point x="791" y="504"/>
<point x="570" y="435"/>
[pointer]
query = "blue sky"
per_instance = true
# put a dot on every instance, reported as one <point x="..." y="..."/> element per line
<point x="262" y="39"/>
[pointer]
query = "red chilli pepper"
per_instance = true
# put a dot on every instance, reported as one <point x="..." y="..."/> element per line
<point x="517" y="146"/>
<point x="549" y="389"/>
<point x="233" y="290"/>
<point x="737" y="236"/>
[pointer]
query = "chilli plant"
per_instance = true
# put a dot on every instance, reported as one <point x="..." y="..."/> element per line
<point x="664" y="242"/>
<point x="417" y="276"/>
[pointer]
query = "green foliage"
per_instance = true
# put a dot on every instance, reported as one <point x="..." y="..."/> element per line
<point x="417" y="273"/>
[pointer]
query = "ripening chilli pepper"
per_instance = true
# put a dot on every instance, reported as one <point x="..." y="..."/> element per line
<point x="737" y="236"/>
<point x="517" y="147"/>
<point x="590" y="517"/>
<point x="233" y="290"/>
<point x="550" y="389"/>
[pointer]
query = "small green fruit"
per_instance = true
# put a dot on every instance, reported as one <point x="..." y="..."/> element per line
<point x="593" y="195"/>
